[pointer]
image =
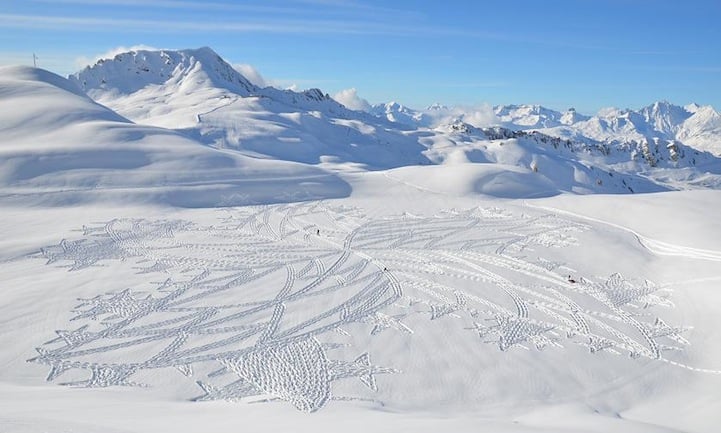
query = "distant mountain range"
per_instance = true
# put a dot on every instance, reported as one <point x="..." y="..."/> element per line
<point x="693" y="125"/>
<point x="510" y="150"/>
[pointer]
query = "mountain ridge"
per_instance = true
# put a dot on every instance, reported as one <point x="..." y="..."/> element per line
<point x="202" y="68"/>
<point x="197" y="92"/>
<point x="307" y="126"/>
<point x="60" y="147"/>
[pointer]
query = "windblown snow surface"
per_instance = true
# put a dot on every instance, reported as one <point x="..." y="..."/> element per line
<point x="395" y="278"/>
<point x="61" y="147"/>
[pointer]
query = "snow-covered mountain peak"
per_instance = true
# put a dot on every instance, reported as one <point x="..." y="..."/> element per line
<point x="661" y="117"/>
<point x="176" y="88"/>
<point x="61" y="147"/>
<point x="129" y="72"/>
<point x="437" y="106"/>
<point x="664" y="117"/>
<point x="607" y="112"/>
<point x="528" y="115"/>
<point x="316" y="95"/>
<point x="705" y="111"/>
<point x="692" y="107"/>
<point x="199" y="93"/>
<point x="399" y="113"/>
<point x="458" y="126"/>
<point x="391" y="106"/>
<point x="702" y="130"/>
<point x="571" y="116"/>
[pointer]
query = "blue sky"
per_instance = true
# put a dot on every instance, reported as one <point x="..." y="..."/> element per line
<point x="558" y="53"/>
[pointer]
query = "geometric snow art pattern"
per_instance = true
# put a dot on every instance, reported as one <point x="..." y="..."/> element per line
<point x="245" y="306"/>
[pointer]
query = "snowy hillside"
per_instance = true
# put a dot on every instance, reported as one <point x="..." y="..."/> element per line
<point x="61" y="147"/>
<point x="189" y="252"/>
<point x="398" y="305"/>
<point x="702" y="129"/>
<point x="672" y="147"/>
<point x="199" y="93"/>
<point x="521" y="164"/>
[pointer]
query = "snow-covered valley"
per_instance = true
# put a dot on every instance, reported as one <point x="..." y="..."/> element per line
<point x="183" y="250"/>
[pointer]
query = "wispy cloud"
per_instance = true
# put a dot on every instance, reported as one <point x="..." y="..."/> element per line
<point x="252" y="74"/>
<point x="480" y="116"/>
<point x="178" y="5"/>
<point x="300" y="7"/>
<point x="84" y="61"/>
<point x="342" y="17"/>
<point x="653" y="53"/>
<point x="260" y="25"/>
<point x="341" y="24"/>
<point x="475" y="85"/>
<point x="300" y="83"/>
<point x="95" y="24"/>
<point x="356" y="7"/>
<point x="675" y="68"/>
<point x="350" y="98"/>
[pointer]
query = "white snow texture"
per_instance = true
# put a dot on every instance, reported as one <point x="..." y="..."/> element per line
<point x="177" y="236"/>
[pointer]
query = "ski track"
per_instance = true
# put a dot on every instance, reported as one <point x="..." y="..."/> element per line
<point x="473" y="266"/>
<point x="654" y="246"/>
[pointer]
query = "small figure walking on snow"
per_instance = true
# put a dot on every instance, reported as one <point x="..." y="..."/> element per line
<point x="317" y="232"/>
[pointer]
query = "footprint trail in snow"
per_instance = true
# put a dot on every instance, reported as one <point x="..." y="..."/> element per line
<point x="256" y="305"/>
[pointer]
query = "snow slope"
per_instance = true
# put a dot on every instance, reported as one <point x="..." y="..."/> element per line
<point x="61" y="147"/>
<point x="447" y="277"/>
<point x="623" y="151"/>
<point x="702" y="130"/>
<point x="199" y="93"/>
<point x="693" y="126"/>
<point x="409" y="309"/>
